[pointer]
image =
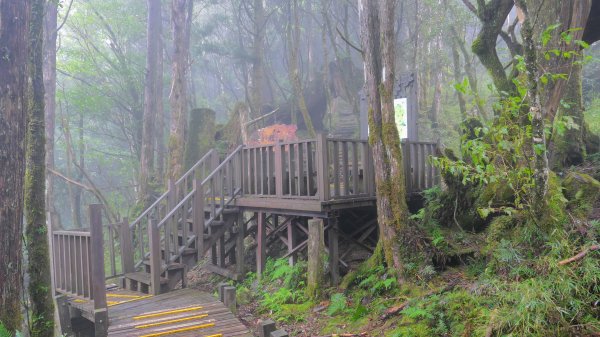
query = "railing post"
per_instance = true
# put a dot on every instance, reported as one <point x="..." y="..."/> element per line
<point x="322" y="167"/>
<point x="126" y="247"/>
<point x="154" y="243"/>
<point x="278" y="170"/>
<point x="97" y="261"/>
<point x="198" y="217"/>
<point x="172" y="189"/>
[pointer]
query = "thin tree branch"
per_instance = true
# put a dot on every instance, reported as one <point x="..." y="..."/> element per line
<point x="348" y="42"/>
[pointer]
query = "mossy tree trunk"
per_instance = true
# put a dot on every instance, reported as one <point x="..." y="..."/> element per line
<point x="562" y="98"/>
<point x="258" y="67"/>
<point x="150" y="100"/>
<point x="201" y="137"/>
<point x="377" y="37"/>
<point x="294" y="67"/>
<point x="180" y="67"/>
<point x="14" y="28"/>
<point x="50" y="33"/>
<point x="492" y="15"/>
<point x="38" y="261"/>
<point x="536" y="112"/>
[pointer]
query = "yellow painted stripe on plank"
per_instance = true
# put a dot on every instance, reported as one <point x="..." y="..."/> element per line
<point x="79" y="300"/>
<point x="131" y="300"/>
<point x="150" y="325"/>
<point x="123" y="296"/>
<point x="189" y="328"/>
<point x="162" y="313"/>
<point x="112" y="302"/>
<point x="217" y="335"/>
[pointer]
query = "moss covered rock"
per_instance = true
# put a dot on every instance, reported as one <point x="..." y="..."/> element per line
<point x="582" y="192"/>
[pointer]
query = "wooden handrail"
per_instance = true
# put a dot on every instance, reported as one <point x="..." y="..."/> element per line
<point x="79" y="261"/>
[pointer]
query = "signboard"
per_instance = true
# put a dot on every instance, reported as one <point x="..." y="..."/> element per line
<point x="401" y="116"/>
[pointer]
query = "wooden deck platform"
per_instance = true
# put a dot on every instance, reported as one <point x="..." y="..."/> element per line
<point x="184" y="312"/>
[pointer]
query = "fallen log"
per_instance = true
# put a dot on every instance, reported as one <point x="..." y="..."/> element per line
<point x="579" y="256"/>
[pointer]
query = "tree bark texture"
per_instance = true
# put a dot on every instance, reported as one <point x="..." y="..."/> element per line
<point x="150" y="99"/>
<point x="294" y="70"/>
<point x="38" y="260"/>
<point x="50" y="27"/>
<point x="569" y="148"/>
<point x="258" y="67"/>
<point x="178" y="99"/>
<point x="492" y="16"/>
<point x="536" y="111"/>
<point x="379" y="47"/>
<point x="14" y="28"/>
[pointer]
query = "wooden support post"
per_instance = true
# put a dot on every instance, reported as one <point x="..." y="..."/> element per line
<point x="155" y="260"/>
<point x="229" y="298"/>
<point x="101" y="322"/>
<point x="323" y="167"/>
<point x="291" y="239"/>
<point x="239" y="245"/>
<point x="261" y="249"/>
<point x="316" y="248"/>
<point x="97" y="261"/>
<point x="97" y="257"/>
<point x="64" y="315"/>
<point x="279" y="167"/>
<point x="265" y="328"/>
<point x="220" y="289"/>
<point x="198" y="217"/>
<point x="126" y="247"/>
<point x="221" y="256"/>
<point x="334" y="252"/>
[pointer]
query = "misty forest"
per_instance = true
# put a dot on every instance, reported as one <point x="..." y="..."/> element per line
<point x="299" y="168"/>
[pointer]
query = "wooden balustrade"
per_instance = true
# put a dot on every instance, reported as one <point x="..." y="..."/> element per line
<point x="420" y="172"/>
<point x="78" y="258"/>
<point x="328" y="169"/>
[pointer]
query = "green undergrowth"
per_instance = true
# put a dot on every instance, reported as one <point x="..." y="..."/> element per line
<point x="280" y="293"/>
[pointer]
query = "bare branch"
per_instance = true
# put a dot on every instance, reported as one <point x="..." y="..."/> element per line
<point x="470" y="6"/>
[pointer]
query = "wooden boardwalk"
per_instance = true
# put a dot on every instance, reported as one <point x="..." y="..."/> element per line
<point x="265" y="191"/>
<point x="184" y="312"/>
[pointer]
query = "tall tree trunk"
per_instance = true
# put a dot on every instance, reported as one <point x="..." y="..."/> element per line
<point x="150" y="100"/>
<point x="294" y="69"/>
<point x="178" y="99"/>
<point x="536" y="112"/>
<point x="14" y="28"/>
<point x="458" y="79"/>
<point x="50" y="26"/>
<point x="160" y="111"/>
<point x="378" y="42"/>
<point x="568" y="148"/>
<point x="258" y="67"/>
<point x="38" y="261"/>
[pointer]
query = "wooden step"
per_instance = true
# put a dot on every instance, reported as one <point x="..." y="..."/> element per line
<point x="171" y="266"/>
<point x="144" y="278"/>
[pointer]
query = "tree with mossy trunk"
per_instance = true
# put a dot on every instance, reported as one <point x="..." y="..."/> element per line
<point x="560" y="97"/>
<point x="14" y="28"/>
<point x="397" y="240"/>
<point x="180" y="18"/>
<point x="38" y="261"/>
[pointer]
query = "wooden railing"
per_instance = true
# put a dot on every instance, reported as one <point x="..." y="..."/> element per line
<point x="419" y="170"/>
<point x="137" y="240"/>
<point x="328" y="169"/>
<point x="186" y="222"/>
<point x="78" y="258"/>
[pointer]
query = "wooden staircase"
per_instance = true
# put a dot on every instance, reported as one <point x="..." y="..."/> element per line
<point x="196" y="215"/>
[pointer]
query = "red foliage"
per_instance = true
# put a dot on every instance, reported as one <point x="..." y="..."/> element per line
<point x="276" y="132"/>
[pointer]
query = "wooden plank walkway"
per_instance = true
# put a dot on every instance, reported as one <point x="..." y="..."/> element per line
<point x="184" y="312"/>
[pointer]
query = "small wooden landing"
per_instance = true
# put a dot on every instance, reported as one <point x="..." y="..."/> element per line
<point x="179" y="313"/>
<point x="184" y="312"/>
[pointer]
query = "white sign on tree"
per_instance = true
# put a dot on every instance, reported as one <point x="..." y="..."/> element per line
<point x="401" y="116"/>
